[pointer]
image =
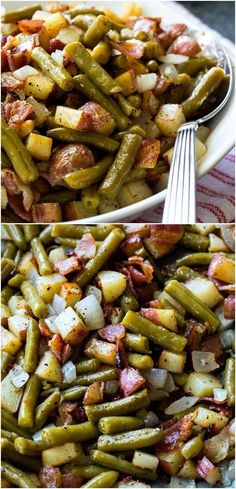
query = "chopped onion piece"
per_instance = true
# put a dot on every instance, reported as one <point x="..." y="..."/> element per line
<point x="220" y="394"/>
<point x="18" y="376"/>
<point x="155" y="376"/>
<point x="146" y="82"/>
<point x="50" y="309"/>
<point x="58" y="304"/>
<point x="69" y="372"/>
<point x="24" y="72"/>
<point x="227" y="339"/>
<point x="181" y="404"/>
<point x="38" y="434"/>
<point x="204" y="361"/>
<point x="58" y="57"/>
<point x="169" y="385"/>
<point x="50" y="322"/>
<point x="91" y="311"/>
<point x="151" y="420"/>
<point x="157" y="394"/>
<point x="175" y="59"/>
<point x="32" y="275"/>
<point x="179" y="482"/>
<point x="91" y="289"/>
<point x="169" y="70"/>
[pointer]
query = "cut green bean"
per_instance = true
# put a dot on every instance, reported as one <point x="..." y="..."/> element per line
<point x="85" y="177"/>
<point x="229" y="381"/>
<point x="194" y="241"/>
<point x="97" y="140"/>
<point x="7" y="267"/>
<point x="97" y="30"/>
<point x="206" y="85"/>
<point x="9" y="435"/>
<point x="9" y="250"/>
<point x="73" y="433"/>
<point x="102" y="375"/>
<point x="87" y="365"/>
<point x="45" y="267"/>
<point x="121" y="166"/>
<point x="34" y="300"/>
<point x="99" y="232"/>
<point x="30" y="231"/>
<point x="131" y="440"/>
<point x="46" y="408"/>
<point x="122" y="406"/>
<point x="140" y="361"/>
<point x="110" y="425"/>
<point x="73" y="12"/>
<point x="21" y="13"/>
<point x="16" y="476"/>
<point x="105" y="479"/>
<point x="46" y="236"/>
<point x="87" y="472"/>
<point x="136" y="342"/>
<point x="57" y="73"/>
<point x="16" y="280"/>
<point x="74" y="393"/>
<point x="61" y="196"/>
<point x="117" y="463"/>
<point x="16" y="235"/>
<point x="9" y="423"/>
<point x="30" y="448"/>
<point x="29" y="402"/>
<point x="193" y="447"/>
<point x="31" y="346"/>
<point x="10" y="453"/>
<point x="6" y="294"/>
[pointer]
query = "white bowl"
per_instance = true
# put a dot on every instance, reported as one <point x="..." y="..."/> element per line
<point x="221" y="139"/>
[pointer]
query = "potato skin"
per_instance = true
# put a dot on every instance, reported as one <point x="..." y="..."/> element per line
<point x="67" y="159"/>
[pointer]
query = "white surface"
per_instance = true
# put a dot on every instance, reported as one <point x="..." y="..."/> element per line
<point x="220" y="141"/>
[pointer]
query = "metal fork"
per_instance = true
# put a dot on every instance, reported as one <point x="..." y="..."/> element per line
<point x="180" y="204"/>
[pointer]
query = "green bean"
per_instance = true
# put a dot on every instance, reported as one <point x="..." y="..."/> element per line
<point x="106" y="250"/>
<point x="45" y="267"/>
<point x="69" y="242"/>
<point x="79" y="54"/>
<point x="105" y="479"/>
<point x="30" y="448"/>
<point x="136" y="174"/>
<point x="16" y="235"/>
<point x="136" y="342"/>
<point x="44" y="410"/>
<point x="73" y="12"/>
<point x="193" y="447"/>
<point x="9" y="422"/>
<point x="57" y="73"/>
<point x="194" y="65"/>
<point x="101" y="52"/>
<point x="29" y="402"/>
<point x="6" y="294"/>
<point x="195" y="259"/>
<point x="18" y="257"/>
<point x="102" y="375"/>
<point x="32" y="346"/>
<point x="131" y="440"/>
<point x="19" y="155"/>
<point x="207" y="84"/>
<point x="5" y="162"/>
<point x="61" y="196"/>
<point x="19" y="14"/>
<point x="9" y="435"/>
<point x="73" y="433"/>
<point x="90" y="90"/>
<point x="34" y="300"/>
<point x="6" y="361"/>
<point x="45" y="235"/>
<point x="121" y="166"/>
<point x="129" y="302"/>
<point x="158" y="334"/>
<point x="85" y="177"/>
<point x="195" y="241"/>
<point x="183" y="274"/>
<point x="99" y="232"/>
<point x="87" y="472"/>
<point x="229" y="380"/>
<point x="140" y="361"/>
<point x="16" y="476"/>
<point x="94" y="139"/>
<point x="74" y="393"/>
<point x="9" y="250"/>
<point x="30" y="231"/>
<point x="126" y="106"/>
<point x="122" y="406"/>
<point x="180" y="379"/>
<point x="117" y="463"/>
<point x="16" y="280"/>
<point x="192" y="304"/>
<point x="132" y="130"/>
<point x="7" y="267"/>
<point x="10" y="453"/>
<point x="116" y="424"/>
<point x="87" y="365"/>
<point x="97" y="30"/>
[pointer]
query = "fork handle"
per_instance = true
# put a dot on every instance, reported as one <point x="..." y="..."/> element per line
<point x="180" y="203"/>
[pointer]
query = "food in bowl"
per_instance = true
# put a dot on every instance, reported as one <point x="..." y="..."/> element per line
<point x="91" y="106"/>
<point x="117" y="355"/>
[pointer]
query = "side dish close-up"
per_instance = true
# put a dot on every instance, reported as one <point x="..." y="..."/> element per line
<point x="92" y="100"/>
<point x="117" y="355"/>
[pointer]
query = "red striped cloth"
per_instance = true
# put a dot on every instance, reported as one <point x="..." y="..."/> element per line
<point x="215" y="195"/>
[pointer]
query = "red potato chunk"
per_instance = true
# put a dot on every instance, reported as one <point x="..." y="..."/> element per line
<point x="185" y="45"/>
<point x="67" y="159"/>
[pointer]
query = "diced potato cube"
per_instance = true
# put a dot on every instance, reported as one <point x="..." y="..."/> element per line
<point x="71" y="327"/>
<point x="71" y="293"/>
<point x="204" y="290"/>
<point x="169" y="118"/>
<point x="173" y="362"/>
<point x="39" y="86"/>
<point x="9" y="342"/>
<point x="113" y="284"/>
<point x="62" y="454"/>
<point x="25" y="129"/>
<point x="46" y="212"/>
<point x="49" y="285"/>
<point x="188" y="471"/>
<point x="171" y="461"/>
<point x="57" y="254"/>
<point x="201" y="385"/>
<point x="103" y="351"/>
<point x="133" y="192"/>
<point x="72" y="118"/>
<point x="204" y="229"/>
<point x="167" y="318"/>
<point x="205" y="417"/>
<point x="127" y="81"/>
<point x="201" y="150"/>
<point x="100" y="119"/>
<point x="222" y="268"/>
<point x="39" y="146"/>
<point x="18" y="305"/>
<point x="18" y="325"/>
<point x="10" y="395"/>
<point x="94" y="393"/>
<point x="76" y="210"/>
<point x="26" y="263"/>
<point x="216" y="244"/>
<point x="145" y="460"/>
<point x="49" y="368"/>
<point x="41" y="15"/>
<point x="54" y="23"/>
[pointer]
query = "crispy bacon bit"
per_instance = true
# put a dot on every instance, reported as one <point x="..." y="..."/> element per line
<point x="46" y="213"/>
<point x="66" y="353"/>
<point x="163" y="239"/>
<point x="145" y="293"/>
<point x="29" y="26"/>
<point x="9" y="83"/>
<point x="112" y="332"/>
<point x="162" y="85"/>
<point x="44" y="329"/>
<point x="16" y="204"/>
<point x="146" y="267"/>
<point x="129" y="284"/>
<point x="18" y="57"/>
<point x="185" y="45"/>
<point x="17" y="112"/>
<point x="121" y="357"/>
<point x="148" y="153"/>
<point x="130" y="380"/>
<point x="171" y="32"/>
<point x="131" y="49"/>
<point x="55" y="44"/>
<point x="151" y="314"/>
<point x="66" y="266"/>
<point x="50" y="477"/>
<point x="137" y="277"/>
<point x="71" y="480"/>
<point x="86" y="248"/>
<point x="229" y="307"/>
<point x="213" y="345"/>
<point x="79" y="414"/>
<point x="176" y="434"/>
<point x="56" y="345"/>
<point x="65" y="409"/>
<point x="94" y="393"/>
<point x="145" y="24"/>
<point x="54" y="7"/>
<point x="194" y="332"/>
<point x="131" y="244"/>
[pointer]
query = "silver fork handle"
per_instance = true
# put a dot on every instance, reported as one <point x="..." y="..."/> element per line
<point x="180" y="203"/>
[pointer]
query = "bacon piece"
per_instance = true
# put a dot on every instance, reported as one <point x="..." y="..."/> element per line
<point x="55" y="44"/>
<point x="54" y="7"/>
<point x="79" y="414"/>
<point x="121" y="357"/>
<point x="145" y="293"/>
<point x="47" y="212"/>
<point x="30" y="26"/>
<point x="171" y="32"/>
<point x="9" y="83"/>
<point x="16" y="204"/>
<point x="213" y="344"/>
<point x="56" y="345"/>
<point x="151" y="314"/>
<point x="112" y="332"/>
<point x="71" y="480"/>
<point x="131" y="244"/>
<point x="176" y="434"/>
<point x="148" y="153"/>
<point x="163" y="239"/>
<point x="66" y="353"/>
<point x="86" y="248"/>
<point x="18" y="57"/>
<point x="67" y="159"/>
<point x="229" y="307"/>
<point x="50" y="477"/>
<point x="17" y="112"/>
<point x="14" y="186"/>
<point x="65" y="412"/>
<point x="129" y="284"/>
<point x="137" y="277"/>
<point x="66" y="266"/>
<point x="145" y="265"/>
<point x="129" y="49"/>
<point x="4" y="62"/>
<point x="194" y="333"/>
<point x="145" y="24"/>
<point x="130" y="380"/>
<point x="162" y="85"/>
<point x="44" y="329"/>
<point x="185" y="45"/>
